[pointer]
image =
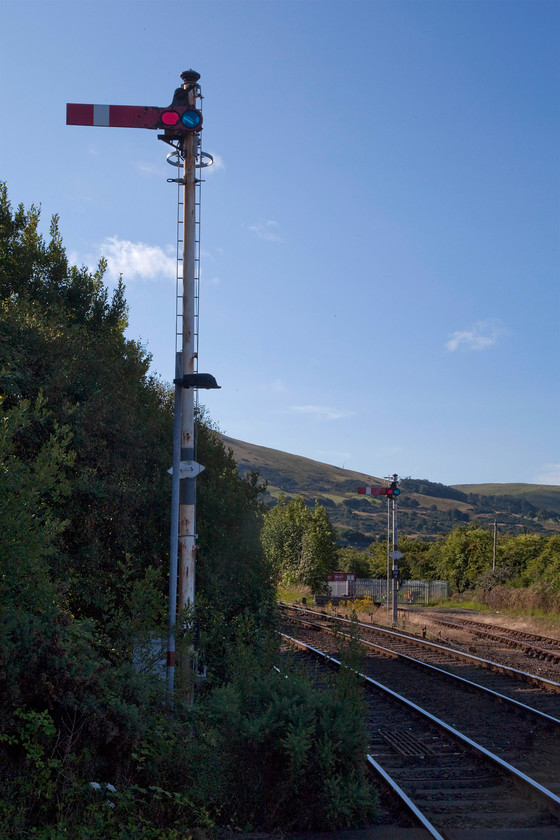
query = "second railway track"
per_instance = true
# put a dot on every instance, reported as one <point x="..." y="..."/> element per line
<point x="453" y="785"/>
<point x="522" y="729"/>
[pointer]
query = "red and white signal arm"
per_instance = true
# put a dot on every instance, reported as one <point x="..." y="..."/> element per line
<point x="373" y="491"/>
<point x="175" y="118"/>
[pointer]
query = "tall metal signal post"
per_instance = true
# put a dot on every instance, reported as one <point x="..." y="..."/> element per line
<point x="392" y="492"/>
<point x="181" y="123"/>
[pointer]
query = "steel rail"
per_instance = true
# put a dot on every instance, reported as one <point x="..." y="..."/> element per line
<point x="375" y="767"/>
<point x="396" y="655"/>
<point x="459" y="621"/>
<point x="550" y="685"/>
<point x="405" y="799"/>
<point x="552" y="800"/>
<point x="501" y="635"/>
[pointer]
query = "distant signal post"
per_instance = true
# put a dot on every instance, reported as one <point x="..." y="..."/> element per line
<point x="181" y="124"/>
<point x="392" y="492"/>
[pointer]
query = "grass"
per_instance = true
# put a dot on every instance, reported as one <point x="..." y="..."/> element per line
<point x="464" y="605"/>
<point x="291" y="594"/>
<point x="544" y="621"/>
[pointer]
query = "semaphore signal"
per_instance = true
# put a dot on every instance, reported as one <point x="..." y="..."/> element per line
<point x="181" y="124"/>
<point x="173" y="119"/>
<point x="392" y="492"/>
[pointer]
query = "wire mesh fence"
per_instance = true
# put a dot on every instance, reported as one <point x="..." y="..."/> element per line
<point x="409" y="591"/>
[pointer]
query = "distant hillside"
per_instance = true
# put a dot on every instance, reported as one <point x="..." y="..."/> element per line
<point x="540" y="495"/>
<point x="426" y="508"/>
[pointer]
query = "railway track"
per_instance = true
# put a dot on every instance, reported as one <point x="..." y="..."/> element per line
<point x="448" y="778"/>
<point x="532" y="644"/>
<point x="525" y="687"/>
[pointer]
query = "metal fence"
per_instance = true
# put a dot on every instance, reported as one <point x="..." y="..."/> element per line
<point x="409" y="592"/>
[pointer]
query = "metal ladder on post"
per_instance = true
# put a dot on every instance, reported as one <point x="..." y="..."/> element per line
<point x="179" y="277"/>
<point x="179" y="274"/>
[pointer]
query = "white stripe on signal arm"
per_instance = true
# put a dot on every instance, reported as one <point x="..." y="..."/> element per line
<point x="101" y="114"/>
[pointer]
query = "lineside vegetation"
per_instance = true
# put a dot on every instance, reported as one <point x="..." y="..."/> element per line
<point x="89" y="747"/>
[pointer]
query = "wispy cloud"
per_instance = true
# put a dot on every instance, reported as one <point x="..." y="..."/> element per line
<point x="550" y="474"/>
<point x="481" y="336"/>
<point x="267" y="231"/>
<point x="138" y="260"/>
<point x="321" y="412"/>
<point x="217" y="165"/>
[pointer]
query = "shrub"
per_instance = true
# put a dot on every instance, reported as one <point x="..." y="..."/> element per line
<point x="277" y="752"/>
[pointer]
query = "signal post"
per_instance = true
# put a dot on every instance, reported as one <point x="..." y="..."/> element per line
<point x="181" y="123"/>
<point x="392" y="491"/>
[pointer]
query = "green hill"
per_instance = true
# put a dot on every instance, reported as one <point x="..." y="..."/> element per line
<point x="540" y="495"/>
<point x="426" y="508"/>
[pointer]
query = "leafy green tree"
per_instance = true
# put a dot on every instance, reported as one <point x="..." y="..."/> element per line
<point x="300" y="543"/>
<point x="519" y="552"/>
<point x="319" y="552"/>
<point x="61" y="335"/>
<point x="235" y="582"/>
<point x="85" y="438"/>
<point x="464" y="555"/>
<point x="543" y="570"/>
<point x="355" y="561"/>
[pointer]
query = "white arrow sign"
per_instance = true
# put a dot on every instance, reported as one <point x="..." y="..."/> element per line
<point x="188" y="469"/>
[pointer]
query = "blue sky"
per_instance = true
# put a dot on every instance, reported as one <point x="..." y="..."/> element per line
<point x="380" y="230"/>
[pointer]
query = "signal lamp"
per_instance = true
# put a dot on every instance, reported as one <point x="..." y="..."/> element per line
<point x="191" y="119"/>
<point x="170" y="117"/>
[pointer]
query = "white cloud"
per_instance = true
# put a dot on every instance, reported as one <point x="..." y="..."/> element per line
<point x="267" y="231"/>
<point x="550" y="474"/>
<point x="321" y="412"/>
<point x="217" y="165"/>
<point x="481" y="336"/>
<point x="138" y="260"/>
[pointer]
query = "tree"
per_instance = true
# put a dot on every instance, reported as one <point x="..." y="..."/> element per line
<point x="353" y="560"/>
<point x="465" y="554"/>
<point x="300" y="543"/>
<point x="235" y="583"/>
<point x="319" y="554"/>
<point x="85" y="444"/>
<point x="62" y="336"/>
<point x="519" y="552"/>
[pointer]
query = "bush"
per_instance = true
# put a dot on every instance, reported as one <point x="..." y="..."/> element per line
<point x="299" y="748"/>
